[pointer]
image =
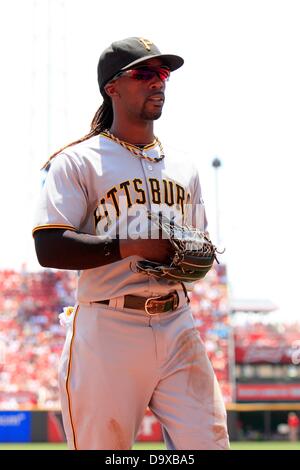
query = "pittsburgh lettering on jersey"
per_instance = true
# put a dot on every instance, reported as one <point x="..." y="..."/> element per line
<point x="141" y="196"/>
<point x="160" y="192"/>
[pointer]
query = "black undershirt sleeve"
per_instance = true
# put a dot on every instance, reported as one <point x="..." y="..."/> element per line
<point x="67" y="249"/>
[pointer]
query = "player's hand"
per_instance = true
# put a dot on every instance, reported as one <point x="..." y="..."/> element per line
<point x="154" y="250"/>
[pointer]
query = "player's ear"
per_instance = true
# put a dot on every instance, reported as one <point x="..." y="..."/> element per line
<point x="111" y="89"/>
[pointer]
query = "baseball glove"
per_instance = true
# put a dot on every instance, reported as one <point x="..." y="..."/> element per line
<point x="193" y="257"/>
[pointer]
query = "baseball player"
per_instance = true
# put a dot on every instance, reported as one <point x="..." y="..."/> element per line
<point x="131" y="341"/>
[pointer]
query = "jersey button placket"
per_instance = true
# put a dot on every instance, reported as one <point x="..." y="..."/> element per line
<point x="145" y="166"/>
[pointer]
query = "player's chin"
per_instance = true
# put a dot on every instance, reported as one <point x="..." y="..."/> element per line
<point x="152" y="110"/>
<point x="152" y="115"/>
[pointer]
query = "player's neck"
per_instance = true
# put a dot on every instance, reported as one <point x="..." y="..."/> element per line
<point x="137" y="134"/>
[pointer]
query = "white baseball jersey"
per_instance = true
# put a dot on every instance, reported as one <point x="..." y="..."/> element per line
<point x="96" y="187"/>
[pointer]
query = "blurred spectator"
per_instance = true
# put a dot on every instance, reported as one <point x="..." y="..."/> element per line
<point x="293" y="424"/>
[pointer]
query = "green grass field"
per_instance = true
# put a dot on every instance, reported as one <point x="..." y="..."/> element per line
<point x="160" y="446"/>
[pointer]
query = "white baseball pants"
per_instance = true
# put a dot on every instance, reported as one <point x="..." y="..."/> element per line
<point x="116" y="362"/>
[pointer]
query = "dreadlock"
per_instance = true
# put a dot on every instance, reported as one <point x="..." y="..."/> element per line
<point x="102" y="120"/>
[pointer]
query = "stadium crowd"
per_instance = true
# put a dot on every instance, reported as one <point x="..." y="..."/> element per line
<point x="210" y="307"/>
<point x="31" y="337"/>
<point x="265" y="341"/>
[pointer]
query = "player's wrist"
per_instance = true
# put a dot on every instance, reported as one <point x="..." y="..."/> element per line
<point x="110" y="251"/>
<point x="125" y="248"/>
<point x="129" y="247"/>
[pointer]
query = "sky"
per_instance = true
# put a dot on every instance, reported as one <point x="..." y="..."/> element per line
<point x="237" y="98"/>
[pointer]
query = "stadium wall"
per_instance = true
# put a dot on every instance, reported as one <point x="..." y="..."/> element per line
<point x="245" y="421"/>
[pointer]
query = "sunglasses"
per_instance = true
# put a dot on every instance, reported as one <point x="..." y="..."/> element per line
<point x="146" y="73"/>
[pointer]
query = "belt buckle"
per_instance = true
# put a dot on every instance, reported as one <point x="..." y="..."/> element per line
<point x="175" y="303"/>
<point x="146" y="306"/>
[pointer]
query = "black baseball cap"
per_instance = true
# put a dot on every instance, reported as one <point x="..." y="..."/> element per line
<point x="124" y="54"/>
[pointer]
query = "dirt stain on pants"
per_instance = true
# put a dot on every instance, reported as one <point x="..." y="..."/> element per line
<point x="116" y="431"/>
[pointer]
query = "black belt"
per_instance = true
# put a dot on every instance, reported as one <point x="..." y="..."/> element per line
<point x="151" y="305"/>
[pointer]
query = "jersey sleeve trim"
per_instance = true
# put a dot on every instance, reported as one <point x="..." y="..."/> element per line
<point x="61" y="226"/>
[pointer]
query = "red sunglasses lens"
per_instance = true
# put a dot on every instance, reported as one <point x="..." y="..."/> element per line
<point x="148" y="73"/>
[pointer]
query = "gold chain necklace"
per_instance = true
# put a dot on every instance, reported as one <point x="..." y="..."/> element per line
<point x="138" y="152"/>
